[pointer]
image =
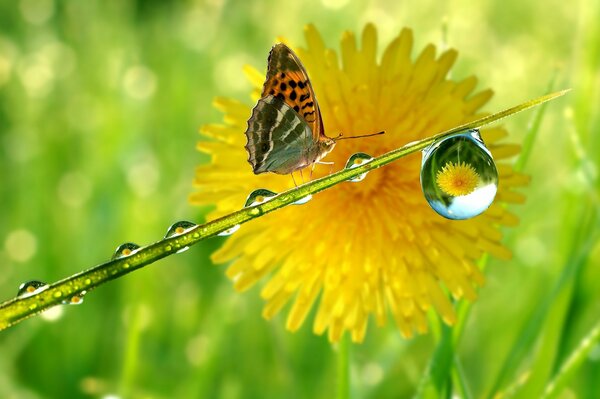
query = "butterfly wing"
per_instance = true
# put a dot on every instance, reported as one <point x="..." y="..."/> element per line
<point x="287" y="79"/>
<point x="278" y="139"/>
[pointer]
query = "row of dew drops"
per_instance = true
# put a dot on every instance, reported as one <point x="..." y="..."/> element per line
<point x="458" y="177"/>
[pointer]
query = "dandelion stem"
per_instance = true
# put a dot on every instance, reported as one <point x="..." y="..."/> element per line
<point x="343" y="368"/>
<point x="21" y="307"/>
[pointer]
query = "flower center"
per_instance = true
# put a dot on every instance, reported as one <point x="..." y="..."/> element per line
<point x="457" y="179"/>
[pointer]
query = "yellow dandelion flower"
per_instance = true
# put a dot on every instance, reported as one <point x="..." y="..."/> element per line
<point x="457" y="179"/>
<point x="365" y="250"/>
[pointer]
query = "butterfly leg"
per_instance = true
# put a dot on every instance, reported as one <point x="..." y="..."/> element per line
<point x="294" y="179"/>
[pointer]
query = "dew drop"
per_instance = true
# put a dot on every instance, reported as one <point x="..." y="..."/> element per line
<point x="230" y="231"/>
<point x="259" y="196"/>
<point x="30" y="288"/>
<point x="303" y="200"/>
<point x="458" y="176"/>
<point x="124" y="250"/>
<point x="76" y="299"/>
<point x="179" y="228"/>
<point x="356" y="160"/>
<point x="182" y="249"/>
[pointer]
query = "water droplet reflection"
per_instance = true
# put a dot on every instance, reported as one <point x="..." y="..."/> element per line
<point x="30" y="288"/>
<point x="179" y="228"/>
<point x="76" y="299"/>
<point x="458" y="176"/>
<point x="356" y="160"/>
<point x="259" y="196"/>
<point x="230" y="231"/>
<point x="126" y="249"/>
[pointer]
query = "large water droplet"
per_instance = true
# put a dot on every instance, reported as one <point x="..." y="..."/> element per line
<point x="458" y="176"/>
<point x="30" y="288"/>
<point x="230" y="231"/>
<point x="123" y="250"/>
<point x="179" y="228"/>
<point x="259" y="196"/>
<point x="356" y="160"/>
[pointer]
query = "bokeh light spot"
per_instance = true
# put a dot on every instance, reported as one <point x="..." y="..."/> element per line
<point x="20" y="245"/>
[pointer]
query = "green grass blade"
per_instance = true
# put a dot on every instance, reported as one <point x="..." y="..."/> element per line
<point x="343" y="368"/>
<point x="460" y="380"/>
<point x="572" y="363"/>
<point x="435" y="382"/>
<point x="577" y="257"/>
<point x="17" y="309"/>
<point x="532" y="131"/>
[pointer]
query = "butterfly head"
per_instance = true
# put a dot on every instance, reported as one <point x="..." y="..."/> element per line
<point x="327" y="144"/>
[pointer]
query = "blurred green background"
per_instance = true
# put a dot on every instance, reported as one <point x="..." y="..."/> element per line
<point x="100" y="103"/>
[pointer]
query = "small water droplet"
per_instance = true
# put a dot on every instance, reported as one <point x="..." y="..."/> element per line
<point x="458" y="176"/>
<point x="182" y="250"/>
<point x="179" y="228"/>
<point x="230" y="231"/>
<point x="127" y="249"/>
<point x="259" y="196"/>
<point x="303" y="200"/>
<point x="356" y="160"/>
<point x="76" y="299"/>
<point x="30" y="288"/>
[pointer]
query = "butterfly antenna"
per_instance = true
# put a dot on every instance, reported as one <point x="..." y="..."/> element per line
<point x="357" y="137"/>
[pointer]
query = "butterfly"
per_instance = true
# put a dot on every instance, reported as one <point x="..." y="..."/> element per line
<point x="285" y="131"/>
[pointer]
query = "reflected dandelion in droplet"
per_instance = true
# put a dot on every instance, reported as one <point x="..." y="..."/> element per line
<point x="76" y="299"/>
<point x="30" y="288"/>
<point x="126" y="249"/>
<point x="355" y="161"/>
<point x="179" y="228"/>
<point x="458" y="176"/>
<point x="259" y="196"/>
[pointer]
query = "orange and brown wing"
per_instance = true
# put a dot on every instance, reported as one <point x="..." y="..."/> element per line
<point x="287" y="80"/>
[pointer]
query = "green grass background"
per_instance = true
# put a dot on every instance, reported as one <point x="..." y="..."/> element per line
<point x="100" y="103"/>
